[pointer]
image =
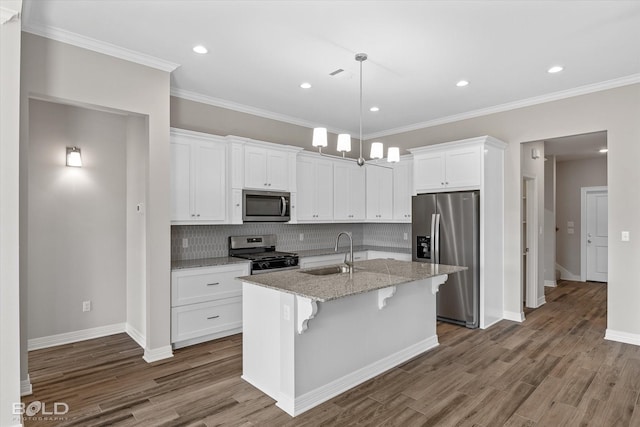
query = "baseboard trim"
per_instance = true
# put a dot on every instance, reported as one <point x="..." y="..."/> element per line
<point x="514" y="316"/>
<point x="25" y="387"/>
<point x="136" y="335"/>
<point x="624" y="337"/>
<point x="156" y="354"/>
<point x="296" y="406"/>
<point x="567" y="275"/>
<point x="541" y="301"/>
<point x="550" y="283"/>
<point x="71" y="337"/>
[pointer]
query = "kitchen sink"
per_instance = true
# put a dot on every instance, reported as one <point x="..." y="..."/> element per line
<point x="327" y="271"/>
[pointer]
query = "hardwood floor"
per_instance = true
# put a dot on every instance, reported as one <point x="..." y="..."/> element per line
<point x="555" y="369"/>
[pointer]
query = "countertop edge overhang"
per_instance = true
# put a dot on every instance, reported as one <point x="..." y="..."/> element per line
<point x="369" y="276"/>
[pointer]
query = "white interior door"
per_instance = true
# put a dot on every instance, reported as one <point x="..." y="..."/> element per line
<point x="596" y="236"/>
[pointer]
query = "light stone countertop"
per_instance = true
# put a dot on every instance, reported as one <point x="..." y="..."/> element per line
<point x="369" y="276"/>
<point x="206" y="262"/>
<point x="359" y="248"/>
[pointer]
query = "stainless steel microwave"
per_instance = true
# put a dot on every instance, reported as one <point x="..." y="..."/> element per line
<point x="266" y="206"/>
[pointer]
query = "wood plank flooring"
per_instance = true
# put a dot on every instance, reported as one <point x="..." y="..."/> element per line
<point x="555" y="369"/>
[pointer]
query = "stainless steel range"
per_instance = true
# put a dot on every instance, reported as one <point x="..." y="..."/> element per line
<point x="261" y="251"/>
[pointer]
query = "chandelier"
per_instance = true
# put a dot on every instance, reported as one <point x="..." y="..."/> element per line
<point x="344" y="139"/>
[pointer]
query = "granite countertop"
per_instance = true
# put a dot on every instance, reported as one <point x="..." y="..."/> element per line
<point x="359" y="248"/>
<point x="212" y="262"/>
<point x="206" y="262"/>
<point x="370" y="275"/>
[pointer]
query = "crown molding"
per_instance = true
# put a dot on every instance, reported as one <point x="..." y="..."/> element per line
<point x="229" y="105"/>
<point x="555" y="96"/>
<point x="7" y="14"/>
<point x="89" y="43"/>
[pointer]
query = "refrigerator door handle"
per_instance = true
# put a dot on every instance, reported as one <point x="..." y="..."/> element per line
<point x="436" y="244"/>
<point x="432" y="241"/>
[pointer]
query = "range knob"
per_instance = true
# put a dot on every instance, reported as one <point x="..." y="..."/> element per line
<point x="263" y="265"/>
<point x="290" y="262"/>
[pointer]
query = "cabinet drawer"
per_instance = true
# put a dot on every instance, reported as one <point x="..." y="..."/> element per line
<point x="204" y="284"/>
<point x="205" y="318"/>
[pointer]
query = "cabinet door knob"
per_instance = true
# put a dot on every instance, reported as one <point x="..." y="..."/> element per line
<point x="237" y="205"/>
<point x="265" y="184"/>
<point x="193" y="215"/>
<point x="269" y="184"/>
<point x="447" y="182"/>
<point x="198" y="215"/>
<point x="442" y="183"/>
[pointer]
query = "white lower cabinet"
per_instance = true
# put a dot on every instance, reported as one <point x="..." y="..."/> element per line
<point x="206" y="303"/>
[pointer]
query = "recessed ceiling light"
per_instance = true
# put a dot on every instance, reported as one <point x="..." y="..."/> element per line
<point x="604" y="150"/>
<point x="374" y="109"/>
<point x="200" y="49"/>
<point x="462" y="83"/>
<point x="555" y="69"/>
<point x="305" y="85"/>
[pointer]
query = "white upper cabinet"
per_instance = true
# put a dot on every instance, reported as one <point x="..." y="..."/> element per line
<point x="402" y="190"/>
<point x="379" y="193"/>
<point x="198" y="177"/>
<point x="266" y="169"/>
<point x="315" y="189"/>
<point x="447" y="167"/>
<point x="348" y="192"/>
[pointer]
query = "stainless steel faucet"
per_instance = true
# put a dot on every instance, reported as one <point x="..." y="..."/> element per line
<point x="350" y="262"/>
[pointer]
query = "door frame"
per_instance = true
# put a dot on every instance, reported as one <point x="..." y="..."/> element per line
<point x="584" y="192"/>
<point x="533" y="240"/>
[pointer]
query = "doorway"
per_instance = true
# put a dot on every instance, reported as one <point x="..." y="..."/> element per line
<point x="594" y="247"/>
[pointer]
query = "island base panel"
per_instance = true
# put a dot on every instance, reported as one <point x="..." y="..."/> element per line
<point x="347" y="341"/>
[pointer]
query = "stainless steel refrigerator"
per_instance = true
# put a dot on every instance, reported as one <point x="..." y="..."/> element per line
<point x="446" y="230"/>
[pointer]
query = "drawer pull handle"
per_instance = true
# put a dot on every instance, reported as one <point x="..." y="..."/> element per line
<point x="213" y="284"/>
<point x="213" y="317"/>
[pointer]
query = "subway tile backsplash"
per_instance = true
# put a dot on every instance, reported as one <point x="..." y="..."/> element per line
<point x="208" y="241"/>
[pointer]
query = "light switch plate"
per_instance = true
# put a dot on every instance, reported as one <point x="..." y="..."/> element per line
<point x="625" y="236"/>
<point x="570" y="224"/>
<point x="569" y="230"/>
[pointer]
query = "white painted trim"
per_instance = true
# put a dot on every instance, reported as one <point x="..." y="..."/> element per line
<point x="99" y="46"/>
<point x="624" y="337"/>
<point x="155" y="354"/>
<point x="75" y="336"/>
<point x="541" y="301"/>
<point x="555" y="96"/>
<point x="490" y="324"/>
<point x="25" y="387"/>
<point x="136" y="335"/>
<point x="566" y="274"/>
<point x="550" y="283"/>
<point x="323" y="393"/>
<point x="514" y="316"/>
<point x="584" y="192"/>
<point x="247" y="109"/>
<point x="7" y="14"/>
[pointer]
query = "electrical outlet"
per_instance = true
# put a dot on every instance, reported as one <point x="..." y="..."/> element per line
<point x="569" y="230"/>
<point x="301" y="237"/>
<point x="625" y="236"/>
<point x="406" y="236"/>
<point x="86" y="305"/>
<point x="185" y="243"/>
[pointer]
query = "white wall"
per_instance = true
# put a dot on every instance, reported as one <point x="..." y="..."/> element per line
<point x="534" y="168"/>
<point x="57" y="71"/>
<point x="137" y="155"/>
<point x="550" y="220"/>
<point x="76" y="219"/>
<point x="571" y="176"/>
<point x="9" y="213"/>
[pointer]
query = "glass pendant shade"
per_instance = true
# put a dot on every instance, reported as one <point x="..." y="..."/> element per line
<point x="73" y="157"/>
<point x="344" y="142"/>
<point x="377" y="150"/>
<point x="319" y="137"/>
<point x="393" y="155"/>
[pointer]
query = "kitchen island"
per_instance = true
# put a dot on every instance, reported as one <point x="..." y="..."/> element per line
<point x="311" y="334"/>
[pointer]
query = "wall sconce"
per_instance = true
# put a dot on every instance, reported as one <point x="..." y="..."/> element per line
<point x="73" y="157"/>
<point x="535" y="153"/>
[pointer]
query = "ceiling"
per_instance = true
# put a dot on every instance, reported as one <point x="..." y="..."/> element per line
<point x="576" y="147"/>
<point x="261" y="51"/>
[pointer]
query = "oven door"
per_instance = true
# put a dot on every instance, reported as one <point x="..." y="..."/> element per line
<point x="265" y="206"/>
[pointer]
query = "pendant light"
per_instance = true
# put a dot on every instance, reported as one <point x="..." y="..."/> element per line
<point x="344" y="139"/>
